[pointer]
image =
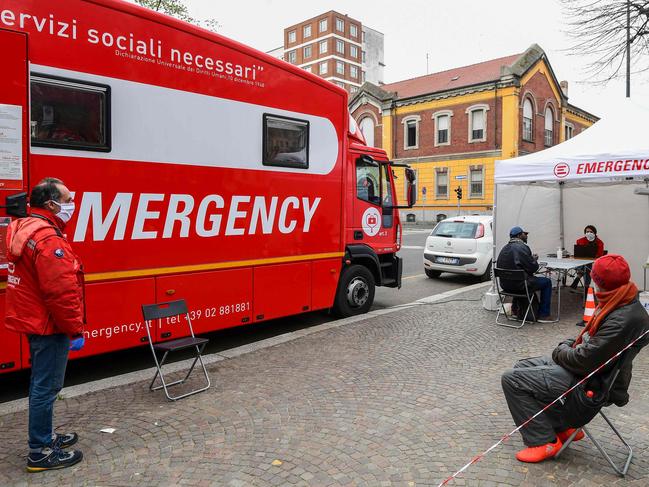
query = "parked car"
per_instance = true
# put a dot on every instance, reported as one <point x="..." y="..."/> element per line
<point x="460" y="245"/>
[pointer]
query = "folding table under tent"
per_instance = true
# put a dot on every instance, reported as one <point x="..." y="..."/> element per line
<point x="599" y="177"/>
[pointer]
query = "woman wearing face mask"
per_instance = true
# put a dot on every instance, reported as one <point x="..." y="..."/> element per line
<point x="591" y="240"/>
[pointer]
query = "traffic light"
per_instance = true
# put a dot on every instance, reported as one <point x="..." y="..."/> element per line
<point x="458" y="192"/>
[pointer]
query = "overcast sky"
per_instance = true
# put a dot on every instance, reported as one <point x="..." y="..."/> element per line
<point x="453" y="33"/>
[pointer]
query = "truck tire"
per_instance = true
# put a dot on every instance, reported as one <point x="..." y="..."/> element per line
<point x="432" y="274"/>
<point x="487" y="274"/>
<point x="355" y="293"/>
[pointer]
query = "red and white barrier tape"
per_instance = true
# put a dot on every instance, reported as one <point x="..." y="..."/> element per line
<point x="477" y="458"/>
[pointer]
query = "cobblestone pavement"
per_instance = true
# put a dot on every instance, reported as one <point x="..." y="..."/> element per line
<point x="402" y="399"/>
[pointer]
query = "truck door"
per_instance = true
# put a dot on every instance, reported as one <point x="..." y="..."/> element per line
<point x="374" y="220"/>
<point x="14" y="147"/>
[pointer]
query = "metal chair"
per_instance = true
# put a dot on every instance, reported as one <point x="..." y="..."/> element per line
<point x="608" y="383"/>
<point x="518" y="275"/>
<point x="167" y="310"/>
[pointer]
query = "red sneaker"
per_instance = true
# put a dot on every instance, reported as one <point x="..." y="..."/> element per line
<point x="535" y="454"/>
<point x="564" y="435"/>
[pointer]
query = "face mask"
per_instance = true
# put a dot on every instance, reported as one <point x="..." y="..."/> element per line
<point x="67" y="210"/>
<point x="590" y="236"/>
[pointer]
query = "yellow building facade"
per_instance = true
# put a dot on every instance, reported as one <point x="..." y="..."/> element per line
<point x="452" y="126"/>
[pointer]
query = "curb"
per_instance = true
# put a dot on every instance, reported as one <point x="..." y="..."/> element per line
<point x="146" y="374"/>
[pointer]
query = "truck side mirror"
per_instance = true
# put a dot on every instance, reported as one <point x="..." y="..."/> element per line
<point x="411" y="181"/>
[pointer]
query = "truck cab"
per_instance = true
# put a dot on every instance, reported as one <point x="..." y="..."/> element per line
<point x="373" y="229"/>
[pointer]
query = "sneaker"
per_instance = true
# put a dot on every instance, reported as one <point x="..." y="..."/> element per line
<point x="535" y="454"/>
<point x="52" y="459"/>
<point x="65" y="440"/>
<point x="546" y="319"/>
<point x="582" y="323"/>
<point x="564" y="435"/>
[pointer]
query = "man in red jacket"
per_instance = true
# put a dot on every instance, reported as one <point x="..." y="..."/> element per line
<point x="45" y="302"/>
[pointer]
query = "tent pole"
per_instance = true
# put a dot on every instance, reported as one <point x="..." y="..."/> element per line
<point x="561" y="235"/>
<point x="493" y="232"/>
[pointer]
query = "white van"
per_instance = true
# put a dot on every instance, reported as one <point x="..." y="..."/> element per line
<point x="460" y="245"/>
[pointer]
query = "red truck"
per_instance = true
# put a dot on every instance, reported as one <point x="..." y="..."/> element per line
<point x="202" y="169"/>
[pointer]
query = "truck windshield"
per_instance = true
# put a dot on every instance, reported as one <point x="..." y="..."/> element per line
<point x="455" y="230"/>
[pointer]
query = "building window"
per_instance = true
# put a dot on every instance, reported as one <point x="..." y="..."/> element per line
<point x="291" y="57"/>
<point x="441" y="183"/>
<point x="442" y="127"/>
<point x="363" y="36"/>
<point x="353" y="72"/>
<point x="292" y="36"/>
<point x="340" y="83"/>
<point x="477" y="122"/>
<point x="340" y="25"/>
<point x="69" y="114"/>
<point x="285" y="142"/>
<point x="367" y="128"/>
<point x="353" y="52"/>
<point x="340" y="46"/>
<point x="363" y="76"/>
<point x="363" y="56"/>
<point x="353" y="31"/>
<point x="307" y="52"/>
<point x="307" y="31"/>
<point x="322" y="25"/>
<point x="323" y="68"/>
<point x="569" y="131"/>
<point x="323" y="47"/>
<point x="307" y="68"/>
<point x="353" y="89"/>
<point x="528" y="118"/>
<point x="340" y="67"/>
<point x="476" y="180"/>
<point x="411" y="132"/>
<point x="549" y="127"/>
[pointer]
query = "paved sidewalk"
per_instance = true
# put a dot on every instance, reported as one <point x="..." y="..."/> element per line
<point x="397" y="399"/>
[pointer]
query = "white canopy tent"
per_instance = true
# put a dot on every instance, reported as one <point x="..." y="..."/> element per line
<point x="599" y="177"/>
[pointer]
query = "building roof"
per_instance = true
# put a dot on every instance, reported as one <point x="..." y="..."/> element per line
<point x="453" y="78"/>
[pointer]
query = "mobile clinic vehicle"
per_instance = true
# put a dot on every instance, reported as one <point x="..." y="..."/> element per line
<point x="203" y="170"/>
<point x="460" y="245"/>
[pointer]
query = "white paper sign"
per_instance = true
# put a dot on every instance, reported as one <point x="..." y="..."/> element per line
<point x="11" y="142"/>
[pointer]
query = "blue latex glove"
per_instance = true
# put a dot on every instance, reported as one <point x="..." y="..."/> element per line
<point x="77" y="343"/>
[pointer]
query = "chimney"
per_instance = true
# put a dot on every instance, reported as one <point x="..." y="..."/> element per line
<point x="564" y="87"/>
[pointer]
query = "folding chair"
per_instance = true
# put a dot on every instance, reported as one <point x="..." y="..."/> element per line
<point x="608" y="383"/>
<point x="518" y="275"/>
<point x="167" y="310"/>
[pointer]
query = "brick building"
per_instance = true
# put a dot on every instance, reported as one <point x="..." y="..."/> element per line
<point x="337" y="48"/>
<point x="451" y="126"/>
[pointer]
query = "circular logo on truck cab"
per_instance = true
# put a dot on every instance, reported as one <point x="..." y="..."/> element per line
<point x="371" y="221"/>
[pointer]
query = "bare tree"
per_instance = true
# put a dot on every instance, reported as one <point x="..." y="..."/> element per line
<point x="599" y="31"/>
<point x="176" y="8"/>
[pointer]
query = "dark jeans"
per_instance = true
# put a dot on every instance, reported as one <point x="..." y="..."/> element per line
<point x="544" y="285"/>
<point x="49" y="358"/>
<point x="532" y="384"/>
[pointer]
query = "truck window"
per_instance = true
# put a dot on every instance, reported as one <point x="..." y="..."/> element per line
<point x="286" y="142"/>
<point x="368" y="186"/>
<point x="69" y="114"/>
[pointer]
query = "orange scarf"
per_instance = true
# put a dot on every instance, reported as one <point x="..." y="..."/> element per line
<point x="607" y="301"/>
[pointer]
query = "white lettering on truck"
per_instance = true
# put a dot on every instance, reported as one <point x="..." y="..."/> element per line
<point x="243" y="215"/>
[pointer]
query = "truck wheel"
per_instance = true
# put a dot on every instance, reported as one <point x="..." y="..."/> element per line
<point x="487" y="274"/>
<point x="355" y="293"/>
<point x="432" y="274"/>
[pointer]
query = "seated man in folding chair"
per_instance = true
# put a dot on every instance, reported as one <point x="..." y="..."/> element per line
<point x="535" y="382"/>
<point x="517" y="255"/>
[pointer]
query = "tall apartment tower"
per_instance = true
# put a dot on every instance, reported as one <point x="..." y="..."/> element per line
<point x="335" y="47"/>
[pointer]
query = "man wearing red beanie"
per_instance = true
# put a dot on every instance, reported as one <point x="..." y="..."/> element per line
<point x="619" y="319"/>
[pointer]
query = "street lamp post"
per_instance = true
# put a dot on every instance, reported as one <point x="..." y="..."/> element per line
<point x="628" y="48"/>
